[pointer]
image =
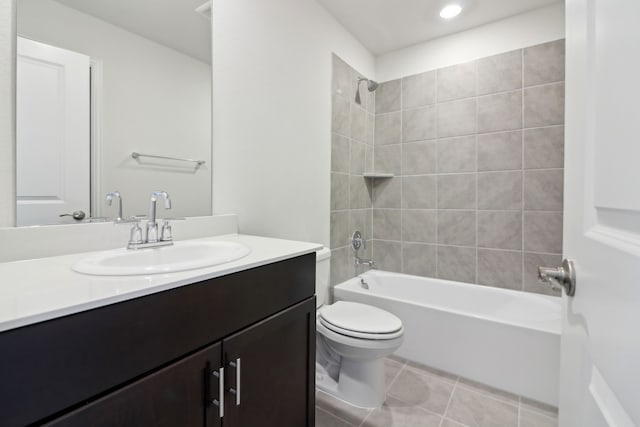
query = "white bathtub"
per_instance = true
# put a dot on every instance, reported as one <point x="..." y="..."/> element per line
<point x="507" y="339"/>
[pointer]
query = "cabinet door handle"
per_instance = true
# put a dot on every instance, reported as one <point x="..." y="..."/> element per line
<point x="219" y="374"/>
<point x="236" y="391"/>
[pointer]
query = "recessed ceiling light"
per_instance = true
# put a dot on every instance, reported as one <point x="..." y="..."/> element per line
<point x="450" y="11"/>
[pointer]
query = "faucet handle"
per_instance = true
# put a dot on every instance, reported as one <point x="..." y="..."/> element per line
<point x="135" y="236"/>
<point x="166" y="234"/>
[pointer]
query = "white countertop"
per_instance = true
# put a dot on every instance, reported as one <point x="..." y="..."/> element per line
<point x="41" y="289"/>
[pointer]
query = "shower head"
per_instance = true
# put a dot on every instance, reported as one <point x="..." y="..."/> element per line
<point x="371" y="86"/>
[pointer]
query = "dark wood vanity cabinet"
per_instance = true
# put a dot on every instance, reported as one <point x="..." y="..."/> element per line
<point x="158" y="360"/>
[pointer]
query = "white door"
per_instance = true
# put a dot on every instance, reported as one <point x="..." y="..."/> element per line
<point x="600" y="374"/>
<point x="53" y="133"/>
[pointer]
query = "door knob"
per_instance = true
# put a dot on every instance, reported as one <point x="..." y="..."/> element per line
<point x="560" y="277"/>
<point x="77" y="215"/>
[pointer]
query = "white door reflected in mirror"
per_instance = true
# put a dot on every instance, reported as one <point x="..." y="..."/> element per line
<point x="53" y="133"/>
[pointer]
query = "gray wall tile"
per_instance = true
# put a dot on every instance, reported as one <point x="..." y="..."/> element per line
<point x="342" y="75"/>
<point x="419" y="90"/>
<point x="500" y="111"/>
<point x="457" y="228"/>
<point x="339" y="153"/>
<point x="358" y="158"/>
<point x="457" y="82"/>
<point x="531" y="263"/>
<point x="387" y="193"/>
<point x="544" y="147"/>
<point x="500" y="190"/>
<point x="419" y="259"/>
<point x="419" y="124"/>
<point x="468" y="186"/>
<point x="419" y="158"/>
<point x="500" y="73"/>
<point x="339" y="191"/>
<point x="387" y="255"/>
<point x="457" y="263"/>
<point x="543" y="232"/>
<point x="359" y="193"/>
<point x="371" y="129"/>
<point x="419" y="192"/>
<point x="500" y="151"/>
<point x="544" y="105"/>
<point x="388" y="97"/>
<point x="387" y="224"/>
<point x="500" y="230"/>
<point x="388" y="158"/>
<point x="457" y="154"/>
<point x="457" y="191"/>
<point x="543" y="189"/>
<point x="457" y="118"/>
<point x="339" y="229"/>
<point x="340" y="116"/>
<point x="502" y="269"/>
<point x="388" y="128"/>
<point x="358" y="123"/>
<point x="339" y="265"/>
<point x="360" y="220"/>
<point x="419" y="226"/>
<point x="544" y="63"/>
<point x="368" y="157"/>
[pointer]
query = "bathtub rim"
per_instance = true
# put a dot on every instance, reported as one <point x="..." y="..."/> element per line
<point x="497" y="320"/>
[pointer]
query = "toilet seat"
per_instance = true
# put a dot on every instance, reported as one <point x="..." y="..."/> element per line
<point x="360" y="321"/>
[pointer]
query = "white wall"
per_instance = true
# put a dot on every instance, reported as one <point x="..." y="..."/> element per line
<point x="156" y="100"/>
<point x="7" y="118"/>
<point x="272" y="113"/>
<point x="528" y="29"/>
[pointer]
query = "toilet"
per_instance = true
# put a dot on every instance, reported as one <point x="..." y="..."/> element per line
<point x="352" y="341"/>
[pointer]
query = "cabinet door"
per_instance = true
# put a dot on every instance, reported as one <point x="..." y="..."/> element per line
<point x="178" y="395"/>
<point x="275" y="386"/>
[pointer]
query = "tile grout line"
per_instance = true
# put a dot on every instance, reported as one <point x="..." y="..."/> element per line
<point x="522" y="265"/>
<point x="446" y="410"/>
<point x="437" y="144"/>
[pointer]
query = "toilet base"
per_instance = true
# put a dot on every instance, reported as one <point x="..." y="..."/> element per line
<point x="360" y="382"/>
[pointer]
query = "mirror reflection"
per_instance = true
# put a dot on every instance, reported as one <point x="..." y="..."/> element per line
<point x="112" y="95"/>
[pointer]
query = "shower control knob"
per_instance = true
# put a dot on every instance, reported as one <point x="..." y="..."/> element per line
<point x="560" y="277"/>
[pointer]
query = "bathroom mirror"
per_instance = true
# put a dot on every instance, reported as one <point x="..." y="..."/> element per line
<point x="97" y="82"/>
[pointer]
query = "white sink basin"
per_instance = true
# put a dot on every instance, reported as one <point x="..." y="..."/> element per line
<point x="180" y="256"/>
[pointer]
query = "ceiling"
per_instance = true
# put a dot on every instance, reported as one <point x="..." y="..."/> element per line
<point x="386" y="25"/>
<point x="172" y="23"/>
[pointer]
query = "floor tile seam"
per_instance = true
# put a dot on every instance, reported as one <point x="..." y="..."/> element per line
<point x="506" y="401"/>
<point x="335" y="416"/>
<point x="433" y="375"/>
<point x="387" y="388"/>
<point x="446" y="410"/>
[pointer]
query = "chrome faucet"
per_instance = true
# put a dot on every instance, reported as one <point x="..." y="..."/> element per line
<point x="151" y="239"/>
<point x="152" y="226"/>
<point x="110" y="197"/>
<point x="357" y="242"/>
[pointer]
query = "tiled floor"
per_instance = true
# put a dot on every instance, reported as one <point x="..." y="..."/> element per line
<point x="420" y="396"/>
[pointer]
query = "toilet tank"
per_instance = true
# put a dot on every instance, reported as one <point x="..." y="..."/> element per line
<point x="323" y="264"/>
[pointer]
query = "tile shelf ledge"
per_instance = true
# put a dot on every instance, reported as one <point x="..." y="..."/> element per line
<point x="378" y="175"/>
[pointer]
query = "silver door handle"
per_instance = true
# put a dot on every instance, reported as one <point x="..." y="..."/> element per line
<point x="219" y="374"/>
<point x="77" y="215"/>
<point x="236" y="391"/>
<point x="560" y="277"/>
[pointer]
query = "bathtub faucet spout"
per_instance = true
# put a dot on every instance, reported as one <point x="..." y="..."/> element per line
<point x="369" y="262"/>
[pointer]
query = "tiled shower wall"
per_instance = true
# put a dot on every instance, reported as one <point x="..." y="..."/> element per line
<point x="352" y="134"/>
<point x="477" y="150"/>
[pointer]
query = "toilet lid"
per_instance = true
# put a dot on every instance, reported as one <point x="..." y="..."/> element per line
<point x="359" y="318"/>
